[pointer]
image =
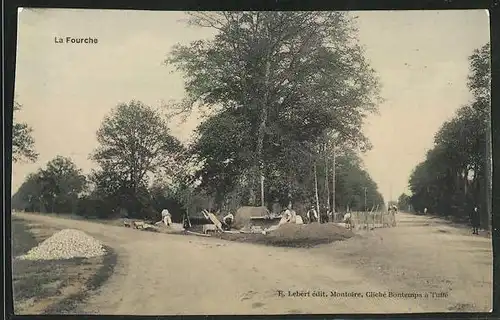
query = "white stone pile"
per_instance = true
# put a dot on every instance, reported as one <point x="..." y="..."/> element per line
<point x="66" y="244"/>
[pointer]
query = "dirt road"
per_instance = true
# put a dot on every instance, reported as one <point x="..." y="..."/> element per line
<point x="160" y="274"/>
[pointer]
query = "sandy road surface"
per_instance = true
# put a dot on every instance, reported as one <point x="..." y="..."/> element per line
<point x="168" y="274"/>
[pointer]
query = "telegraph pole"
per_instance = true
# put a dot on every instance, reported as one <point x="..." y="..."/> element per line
<point x="365" y="198"/>
<point x="262" y="191"/>
<point x="390" y="192"/>
<point x="333" y="182"/>
<point x="334" y="172"/>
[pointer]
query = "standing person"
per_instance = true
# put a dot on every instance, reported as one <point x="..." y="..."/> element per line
<point x="228" y="221"/>
<point x="324" y="214"/>
<point x="348" y="220"/>
<point x="312" y="215"/>
<point x="475" y="221"/>
<point x="425" y="211"/>
<point x="166" y="217"/>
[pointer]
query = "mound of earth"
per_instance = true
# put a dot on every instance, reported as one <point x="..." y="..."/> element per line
<point x="294" y="235"/>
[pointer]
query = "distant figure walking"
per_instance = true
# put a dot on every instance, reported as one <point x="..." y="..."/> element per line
<point x="425" y="211"/>
<point x="475" y="221"/>
<point x="312" y="215"/>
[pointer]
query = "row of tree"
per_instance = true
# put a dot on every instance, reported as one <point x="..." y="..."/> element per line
<point x="113" y="189"/>
<point x="453" y="179"/>
<point x="285" y="95"/>
<point x="61" y="187"/>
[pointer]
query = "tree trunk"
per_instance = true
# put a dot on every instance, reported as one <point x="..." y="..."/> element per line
<point x="251" y="198"/>
<point x="53" y="203"/>
<point x="464" y="183"/>
<point x="316" y="188"/>
<point x="334" y="170"/>
<point x="262" y="126"/>
<point x="327" y="186"/>
<point x="263" y="204"/>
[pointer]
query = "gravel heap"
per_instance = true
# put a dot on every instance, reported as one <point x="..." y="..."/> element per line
<point x="66" y="244"/>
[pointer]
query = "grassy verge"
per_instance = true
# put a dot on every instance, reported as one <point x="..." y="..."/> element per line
<point x="73" y="302"/>
<point x="52" y="286"/>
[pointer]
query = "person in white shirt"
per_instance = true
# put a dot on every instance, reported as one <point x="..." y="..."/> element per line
<point x="166" y="217"/>
<point x="348" y="220"/>
<point x="312" y="215"/>
<point x="288" y="215"/>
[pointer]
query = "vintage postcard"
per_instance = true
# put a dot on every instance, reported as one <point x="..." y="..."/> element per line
<point x="245" y="163"/>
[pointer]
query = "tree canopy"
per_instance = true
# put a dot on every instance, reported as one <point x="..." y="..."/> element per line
<point x="134" y="141"/>
<point x="276" y="85"/>
<point x="56" y="188"/>
<point x="23" y="144"/>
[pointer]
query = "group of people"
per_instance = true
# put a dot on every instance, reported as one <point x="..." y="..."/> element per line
<point x="312" y="215"/>
<point x="393" y="208"/>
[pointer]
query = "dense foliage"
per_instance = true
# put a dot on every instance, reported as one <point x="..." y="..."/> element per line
<point x="23" y="144"/>
<point x="286" y="95"/>
<point x="56" y="188"/>
<point x="281" y="88"/>
<point x="452" y="179"/>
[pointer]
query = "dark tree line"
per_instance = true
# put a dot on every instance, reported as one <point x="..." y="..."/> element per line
<point x="452" y="179"/>
<point x="56" y="188"/>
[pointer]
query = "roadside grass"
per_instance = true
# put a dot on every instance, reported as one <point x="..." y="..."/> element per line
<point x="52" y="286"/>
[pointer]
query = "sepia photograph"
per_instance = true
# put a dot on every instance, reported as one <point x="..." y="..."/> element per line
<point x="251" y="162"/>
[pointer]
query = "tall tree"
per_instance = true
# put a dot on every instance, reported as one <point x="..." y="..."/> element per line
<point x="134" y="141"/>
<point x="479" y="82"/>
<point x="23" y="144"/>
<point x="293" y="75"/>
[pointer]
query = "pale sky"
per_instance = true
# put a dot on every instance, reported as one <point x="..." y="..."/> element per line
<point x="66" y="90"/>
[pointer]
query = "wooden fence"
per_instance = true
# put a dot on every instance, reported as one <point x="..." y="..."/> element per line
<point x="370" y="220"/>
